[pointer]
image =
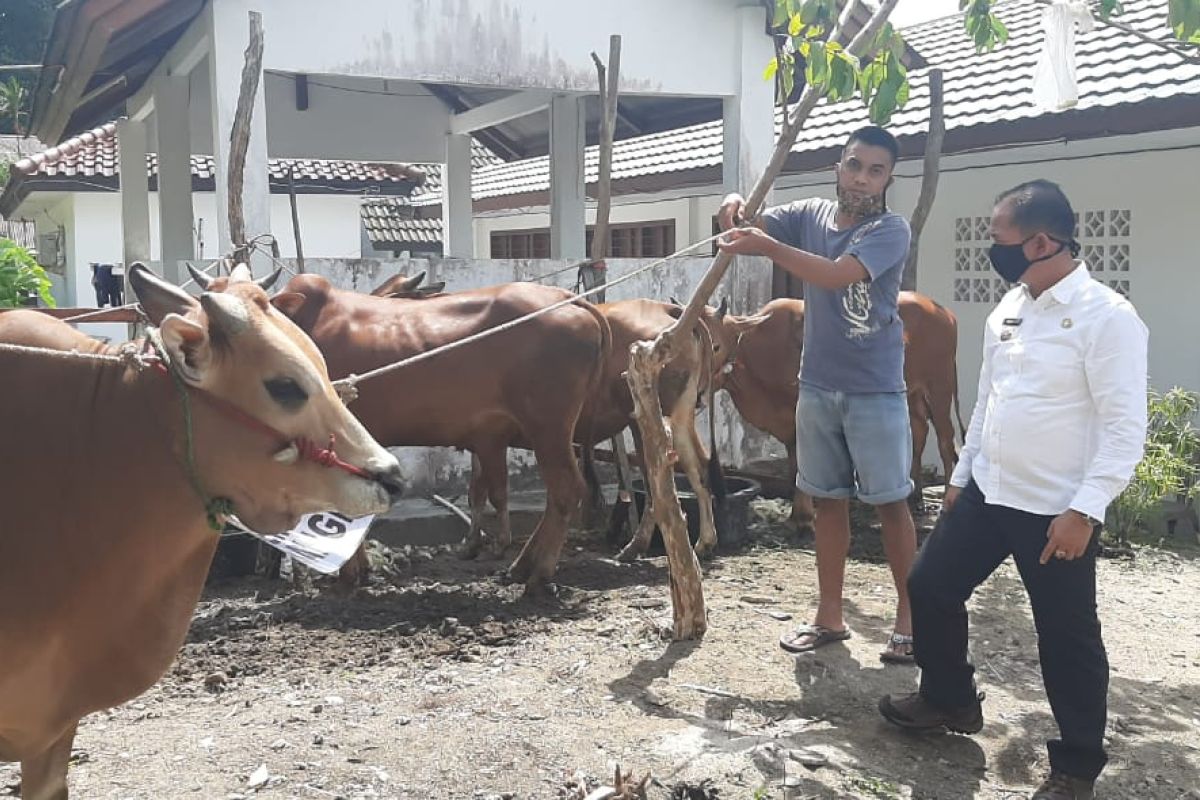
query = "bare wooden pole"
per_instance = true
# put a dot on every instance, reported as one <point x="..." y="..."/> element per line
<point x="647" y="360"/>
<point x="295" y="218"/>
<point x="929" y="181"/>
<point x="609" y="81"/>
<point x="239" y="137"/>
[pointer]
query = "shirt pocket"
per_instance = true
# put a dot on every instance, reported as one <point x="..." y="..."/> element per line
<point x="1052" y="370"/>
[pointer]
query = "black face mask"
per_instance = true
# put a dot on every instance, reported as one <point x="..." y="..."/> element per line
<point x="1009" y="259"/>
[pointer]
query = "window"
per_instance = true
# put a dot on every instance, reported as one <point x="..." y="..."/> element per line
<point x="1104" y="234"/>
<point x="637" y="240"/>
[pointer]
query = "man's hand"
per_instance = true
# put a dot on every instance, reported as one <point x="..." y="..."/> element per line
<point x="731" y="214"/>
<point x="952" y="493"/>
<point x="1069" y="536"/>
<point x="748" y="242"/>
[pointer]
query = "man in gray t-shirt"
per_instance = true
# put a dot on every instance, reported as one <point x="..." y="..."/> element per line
<point x="852" y="428"/>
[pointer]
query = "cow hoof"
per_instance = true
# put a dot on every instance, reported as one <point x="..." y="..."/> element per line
<point x="470" y="549"/>
<point x="541" y="590"/>
<point x="630" y="553"/>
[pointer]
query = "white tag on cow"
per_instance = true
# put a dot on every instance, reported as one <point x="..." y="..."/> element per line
<point x="323" y="541"/>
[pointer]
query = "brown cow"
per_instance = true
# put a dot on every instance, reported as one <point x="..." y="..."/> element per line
<point x="610" y="410"/>
<point x="763" y="384"/>
<point x="105" y="542"/>
<point x="524" y="387"/>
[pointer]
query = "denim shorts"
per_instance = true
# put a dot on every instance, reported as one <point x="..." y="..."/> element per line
<point x="853" y="445"/>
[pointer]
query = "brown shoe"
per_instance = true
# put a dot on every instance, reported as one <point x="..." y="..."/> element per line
<point x="1063" y="787"/>
<point x="914" y="712"/>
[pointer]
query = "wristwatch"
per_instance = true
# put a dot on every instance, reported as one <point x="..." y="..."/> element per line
<point x="1091" y="520"/>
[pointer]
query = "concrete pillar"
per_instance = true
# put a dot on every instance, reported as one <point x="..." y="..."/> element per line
<point x="749" y="140"/>
<point x="229" y="37"/>
<point x="135" y="197"/>
<point x="171" y="104"/>
<point x="458" y="236"/>
<point x="568" y="220"/>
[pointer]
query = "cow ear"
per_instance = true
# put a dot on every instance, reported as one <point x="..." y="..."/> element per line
<point x="187" y="345"/>
<point x="158" y="297"/>
<point x="289" y="303"/>
<point x="743" y="324"/>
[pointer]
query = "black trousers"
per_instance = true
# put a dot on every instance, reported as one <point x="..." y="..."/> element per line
<point x="969" y="543"/>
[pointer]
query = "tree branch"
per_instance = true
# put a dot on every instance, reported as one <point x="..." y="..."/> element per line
<point x="239" y="137"/>
<point x="929" y="181"/>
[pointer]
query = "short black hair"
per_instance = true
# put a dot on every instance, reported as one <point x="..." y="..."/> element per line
<point x="876" y="137"/>
<point x="1041" y="206"/>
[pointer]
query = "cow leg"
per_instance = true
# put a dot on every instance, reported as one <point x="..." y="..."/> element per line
<point x="493" y="461"/>
<point x="943" y="427"/>
<point x="918" y="420"/>
<point x="803" y="513"/>
<point x="477" y="503"/>
<point x="695" y="460"/>
<point x="565" y="488"/>
<point x="640" y="542"/>
<point x="44" y="777"/>
<point x="357" y="570"/>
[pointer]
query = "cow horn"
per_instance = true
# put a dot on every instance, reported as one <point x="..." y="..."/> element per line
<point x="268" y="282"/>
<point x="410" y="284"/>
<point x="202" y="280"/>
<point x="158" y="297"/>
<point x="226" y="312"/>
<point x="288" y="455"/>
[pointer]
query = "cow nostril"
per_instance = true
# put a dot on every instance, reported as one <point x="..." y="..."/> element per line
<point x="393" y="481"/>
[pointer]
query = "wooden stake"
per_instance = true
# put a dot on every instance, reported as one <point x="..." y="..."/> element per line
<point x="609" y="91"/>
<point x="295" y="218"/>
<point x="647" y="359"/>
<point x="239" y="137"/>
<point x="929" y="181"/>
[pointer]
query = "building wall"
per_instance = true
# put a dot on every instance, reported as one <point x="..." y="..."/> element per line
<point x="330" y="227"/>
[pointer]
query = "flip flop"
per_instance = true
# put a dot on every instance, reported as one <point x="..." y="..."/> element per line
<point x="817" y="636"/>
<point x="890" y="656"/>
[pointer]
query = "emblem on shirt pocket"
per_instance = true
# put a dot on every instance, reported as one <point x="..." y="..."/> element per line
<point x="1067" y="323"/>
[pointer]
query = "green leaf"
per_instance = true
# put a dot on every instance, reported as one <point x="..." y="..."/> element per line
<point x="884" y="104"/>
<point x="795" y="25"/>
<point x="781" y="14"/>
<point x="817" y="72"/>
<point x="772" y="68"/>
<point x="999" y="30"/>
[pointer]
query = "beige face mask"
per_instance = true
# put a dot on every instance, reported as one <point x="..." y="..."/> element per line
<point x="859" y="205"/>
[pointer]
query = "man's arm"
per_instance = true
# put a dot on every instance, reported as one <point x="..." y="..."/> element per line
<point x="814" y="269"/>
<point x="1115" y="366"/>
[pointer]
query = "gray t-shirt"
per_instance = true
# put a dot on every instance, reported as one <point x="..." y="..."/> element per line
<point x="853" y="337"/>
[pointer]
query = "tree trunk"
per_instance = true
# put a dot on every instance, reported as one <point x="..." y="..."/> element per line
<point x="929" y="181"/>
<point x="239" y="137"/>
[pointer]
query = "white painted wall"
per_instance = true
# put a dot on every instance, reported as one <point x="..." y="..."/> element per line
<point x="330" y="227"/>
<point x="667" y="47"/>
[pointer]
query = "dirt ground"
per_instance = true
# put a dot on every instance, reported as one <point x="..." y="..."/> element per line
<point x="439" y="681"/>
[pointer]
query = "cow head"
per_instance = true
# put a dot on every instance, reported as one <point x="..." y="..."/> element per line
<point x="234" y="345"/>
<point x="408" y="288"/>
<point x="727" y="331"/>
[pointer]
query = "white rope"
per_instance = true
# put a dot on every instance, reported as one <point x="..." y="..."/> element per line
<point x="129" y="354"/>
<point x="346" y="386"/>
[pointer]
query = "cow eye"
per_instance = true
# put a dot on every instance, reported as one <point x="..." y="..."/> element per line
<point x="286" y="392"/>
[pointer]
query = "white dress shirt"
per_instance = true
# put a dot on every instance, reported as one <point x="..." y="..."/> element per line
<point x="1060" y="420"/>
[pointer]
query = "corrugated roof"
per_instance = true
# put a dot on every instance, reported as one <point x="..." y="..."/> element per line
<point x="390" y="224"/>
<point x="1116" y="71"/>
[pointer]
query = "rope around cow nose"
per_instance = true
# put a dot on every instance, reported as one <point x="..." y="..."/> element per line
<point x="347" y="387"/>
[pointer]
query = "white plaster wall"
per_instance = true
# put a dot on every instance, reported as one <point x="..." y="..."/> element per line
<point x="509" y="43"/>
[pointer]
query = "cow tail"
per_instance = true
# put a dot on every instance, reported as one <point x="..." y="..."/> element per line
<point x="957" y="411"/>
<point x="587" y="446"/>
<point x="716" y="475"/>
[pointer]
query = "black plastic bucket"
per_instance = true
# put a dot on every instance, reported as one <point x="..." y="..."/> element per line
<point x="732" y="516"/>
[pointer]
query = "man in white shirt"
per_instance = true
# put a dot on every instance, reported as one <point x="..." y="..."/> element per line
<point x="1058" y="428"/>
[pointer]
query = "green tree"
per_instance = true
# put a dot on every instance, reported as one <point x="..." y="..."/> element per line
<point x="21" y="276"/>
<point x="882" y="81"/>
<point x="13" y="102"/>
<point x="24" y="28"/>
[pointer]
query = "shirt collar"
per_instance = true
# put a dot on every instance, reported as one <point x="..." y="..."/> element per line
<point x="1065" y="289"/>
